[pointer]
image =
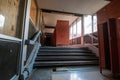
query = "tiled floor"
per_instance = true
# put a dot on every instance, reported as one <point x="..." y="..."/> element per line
<point x="70" y="73"/>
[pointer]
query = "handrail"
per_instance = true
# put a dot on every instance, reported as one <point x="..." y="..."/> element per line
<point x="34" y="39"/>
<point x="33" y="54"/>
<point x="93" y="36"/>
<point x="36" y="36"/>
<point x="31" y="57"/>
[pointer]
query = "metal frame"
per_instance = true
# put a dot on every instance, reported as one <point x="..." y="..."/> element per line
<point x="25" y="66"/>
<point x="2" y="36"/>
<point x="24" y="38"/>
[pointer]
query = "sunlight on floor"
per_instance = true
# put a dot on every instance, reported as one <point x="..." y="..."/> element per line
<point x="69" y="73"/>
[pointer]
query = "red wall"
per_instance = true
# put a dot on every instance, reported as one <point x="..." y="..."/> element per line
<point x="60" y="36"/>
<point x="62" y="33"/>
<point x="110" y="11"/>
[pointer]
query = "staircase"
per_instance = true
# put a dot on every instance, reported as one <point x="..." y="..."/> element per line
<point x="64" y="56"/>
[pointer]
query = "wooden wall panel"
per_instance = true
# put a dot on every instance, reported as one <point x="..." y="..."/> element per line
<point x="33" y="12"/>
<point x="9" y="9"/>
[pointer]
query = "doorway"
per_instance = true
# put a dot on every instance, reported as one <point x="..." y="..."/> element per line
<point x="48" y="39"/>
<point x="106" y="46"/>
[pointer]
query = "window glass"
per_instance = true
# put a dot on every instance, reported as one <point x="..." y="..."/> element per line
<point x="94" y="23"/>
<point x="87" y="24"/>
<point x="74" y="30"/>
<point x="79" y="26"/>
<point x="70" y="32"/>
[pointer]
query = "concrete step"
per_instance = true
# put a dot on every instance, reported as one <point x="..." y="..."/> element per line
<point x="64" y="51"/>
<point x="65" y="58"/>
<point x="65" y="54"/>
<point x="64" y="63"/>
<point x="63" y="48"/>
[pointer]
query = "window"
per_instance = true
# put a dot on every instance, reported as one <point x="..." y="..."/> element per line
<point x="94" y="23"/>
<point x="79" y="26"/>
<point x="90" y="25"/>
<point x="87" y="24"/>
<point x="74" y="30"/>
<point x="71" y="32"/>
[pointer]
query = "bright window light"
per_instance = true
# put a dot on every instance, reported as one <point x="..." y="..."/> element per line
<point x="2" y="21"/>
<point x="94" y="23"/>
<point x="70" y="32"/>
<point x="87" y="24"/>
<point x="74" y="30"/>
<point x="79" y="26"/>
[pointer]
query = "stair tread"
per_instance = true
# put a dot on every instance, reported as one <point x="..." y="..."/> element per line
<point x="65" y="62"/>
<point x="64" y="47"/>
<point x="65" y="50"/>
<point x="66" y="57"/>
<point x="64" y="54"/>
<point x="61" y="56"/>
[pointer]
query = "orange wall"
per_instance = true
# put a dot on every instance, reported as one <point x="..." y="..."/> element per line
<point x="62" y="33"/>
<point x="60" y="36"/>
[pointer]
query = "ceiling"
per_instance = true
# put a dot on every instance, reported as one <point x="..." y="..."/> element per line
<point x="50" y="19"/>
<point x="70" y="6"/>
<point x="73" y="6"/>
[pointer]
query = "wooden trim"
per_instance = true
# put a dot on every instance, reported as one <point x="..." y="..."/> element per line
<point x="54" y="11"/>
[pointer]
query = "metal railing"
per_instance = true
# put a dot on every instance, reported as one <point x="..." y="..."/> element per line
<point x="32" y="55"/>
<point x="91" y="39"/>
<point x="33" y="44"/>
